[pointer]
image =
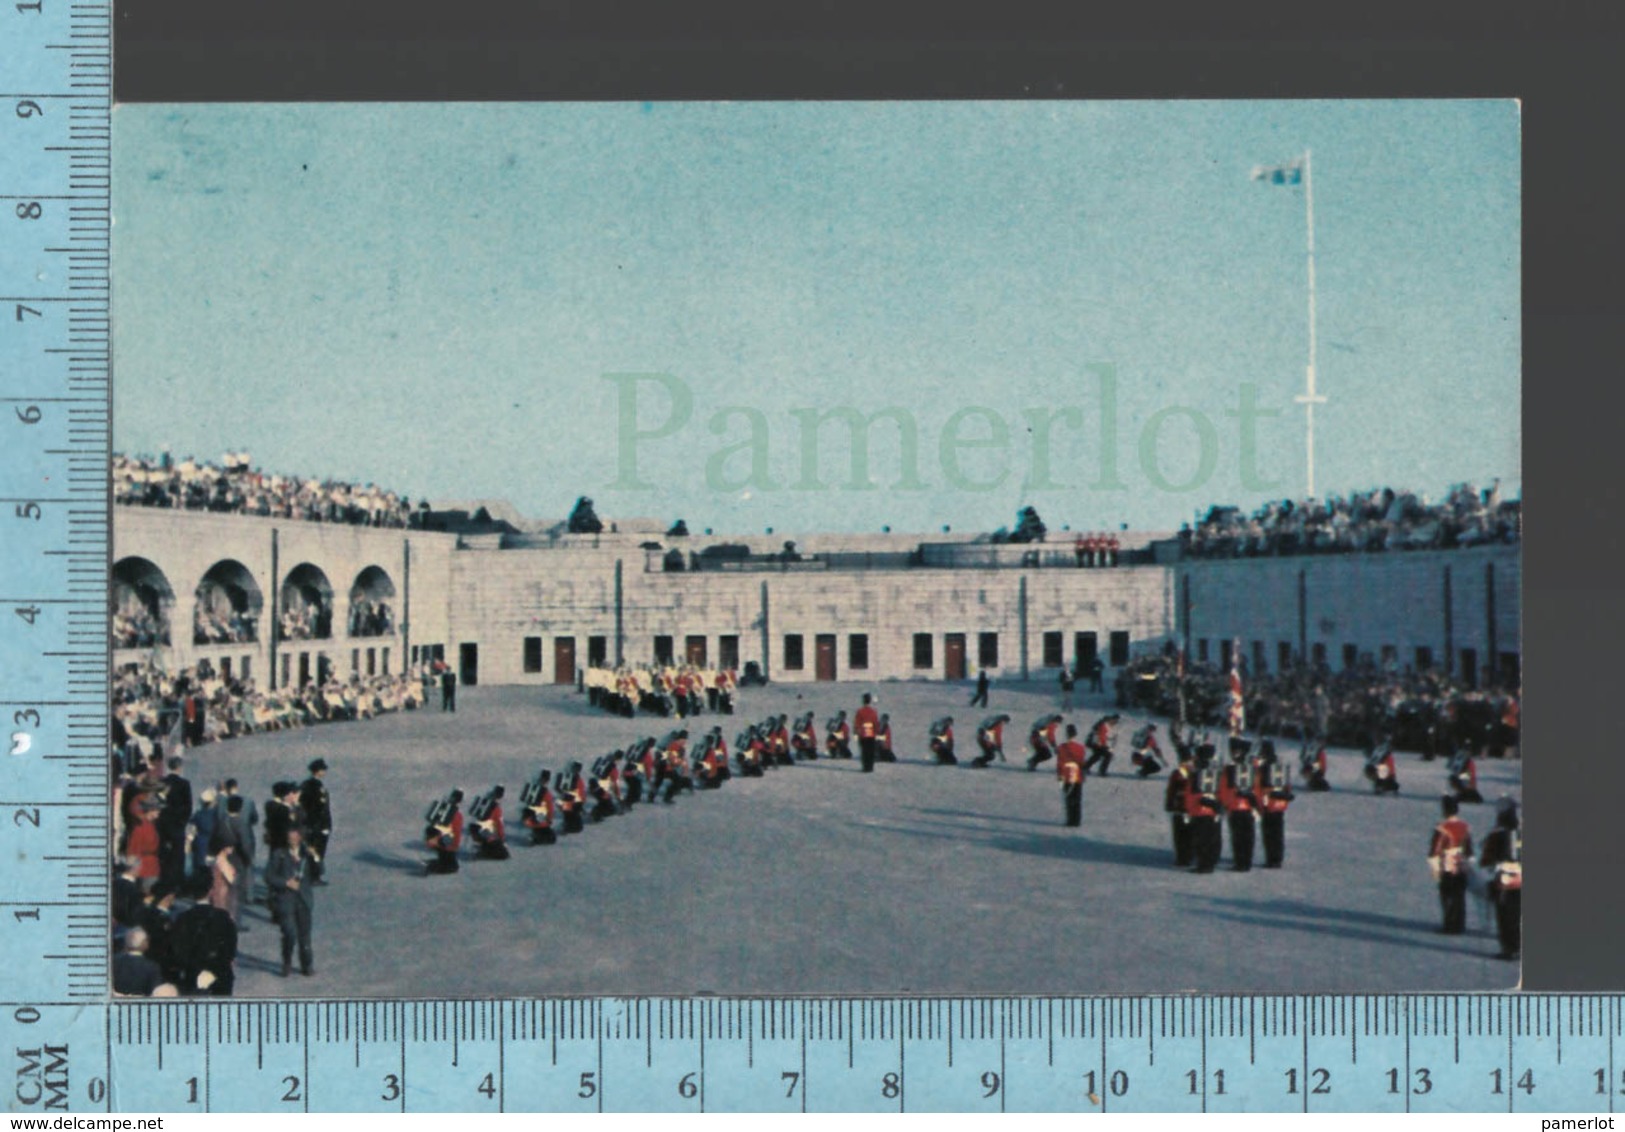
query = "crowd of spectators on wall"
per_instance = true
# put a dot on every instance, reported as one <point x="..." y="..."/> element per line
<point x="137" y="627"/>
<point x="1381" y="520"/>
<point x="1428" y="712"/>
<point x="234" y="486"/>
<point x="198" y="705"/>
<point x="304" y="619"/>
<point x="370" y="618"/>
<point x="212" y="627"/>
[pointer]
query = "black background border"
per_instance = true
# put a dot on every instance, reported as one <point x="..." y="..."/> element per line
<point x="1563" y="61"/>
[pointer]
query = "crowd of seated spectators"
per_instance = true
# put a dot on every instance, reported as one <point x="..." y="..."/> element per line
<point x="211" y="627"/>
<point x="138" y="628"/>
<point x="304" y="619"/>
<point x="1427" y="711"/>
<point x="371" y="618"/>
<point x="1363" y="522"/>
<point x="233" y="486"/>
<point x="197" y="705"/>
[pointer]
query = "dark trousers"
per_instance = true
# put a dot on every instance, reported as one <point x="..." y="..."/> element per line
<point x="493" y="851"/>
<point x="945" y="755"/>
<point x="318" y="861"/>
<point x="572" y="820"/>
<point x="1207" y="842"/>
<point x="1509" y="921"/>
<point x="985" y="758"/>
<point x="1100" y="755"/>
<point x="980" y="698"/>
<point x="1241" y="840"/>
<point x="445" y="861"/>
<point x="1181" y="826"/>
<point x="1039" y="755"/>
<point x="543" y="836"/>
<point x="1453" y="902"/>
<point x="1273" y="829"/>
<point x="293" y="915"/>
<point x="867" y="747"/>
<point x="1072" y="797"/>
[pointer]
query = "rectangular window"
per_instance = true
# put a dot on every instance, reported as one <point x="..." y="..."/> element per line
<point x="1319" y="653"/>
<point x="533" y="654"/>
<point x="1119" y="649"/>
<point x="922" y="651"/>
<point x="987" y="650"/>
<point x="1283" y="656"/>
<point x="857" y="650"/>
<point x="1258" y="658"/>
<point x="663" y="650"/>
<point x="1351" y="656"/>
<point x="1511" y="671"/>
<point x="1469" y="668"/>
<point x="1390" y="656"/>
<point x="794" y="653"/>
<point x="386" y="661"/>
<point x="245" y="670"/>
<point x="225" y="669"/>
<point x="1054" y="657"/>
<point x="728" y="651"/>
<point x="1424" y="658"/>
<point x="355" y="660"/>
<point x="286" y="668"/>
<point x="372" y="662"/>
<point x="1226" y="649"/>
<point x="597" y="652"/>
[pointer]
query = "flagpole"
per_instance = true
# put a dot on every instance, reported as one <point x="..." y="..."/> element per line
<point x="1310" y="398"/>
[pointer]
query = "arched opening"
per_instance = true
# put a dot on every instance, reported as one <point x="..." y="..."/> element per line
<point x="372" y="604"/>
<point x="307" y="605"/>
<point x="142" y="602"/>
<point x="229" y="605"/>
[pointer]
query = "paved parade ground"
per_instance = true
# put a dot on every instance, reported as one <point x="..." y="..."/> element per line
<point x="817" y="879"/>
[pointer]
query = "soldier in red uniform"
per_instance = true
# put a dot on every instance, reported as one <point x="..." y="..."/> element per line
<point x="1464" y="775"/>
<point x="1448" y="853"/>
<point x="1272" y="794"/>
<point x="572" y="797"/>
<point x="678" y="774"/>
<point x="1312" y="765"/>
<point x="1503" y="855"/>
<point x="990" y="738"/>
<point x="1236" y="796"/>
<point x="1202" y="805"/>
<point x="778" y="741"/>
<point x="540" y="809"/>
<point x="1380" y="768"/>
<point x="804" y="738"/>
<point x="838" y="740"/>
<point x="1100" y="744"/>
<point x="942" y="741"/>
<point x="751" y="753"/>
<point x="1173" y="803"/>
<point x="1147" y="754"/>
<point x="883" y="747"/>
<point x="867" y="723"/>
<point x="445" y="833"/>
<point x="490" y="832"/>
<point x="1042" y="740"/>
<point x="1069" y="768"/>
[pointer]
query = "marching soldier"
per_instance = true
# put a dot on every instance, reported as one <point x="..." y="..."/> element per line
<point x="1272" y="794"/>
<point x="868" y="724"/>
<point x="1042" y="740"/>
<point x="1173" y="803"/>
<point x="1448" y="854"/>
<point x="1147" y="754"/>
<point x="1236" y="796"/>
<point x="490" y="833"/>
<point x="1100" y="744"/>
<point x="1070" y="769"/>
<point x="540" y="809"/>
<point x="1202" y="805"/>
<point x="1312" y="765"/>
<point x="445" y="832"/>
<point x="318" y="811"/>
<point x="1503" y="855"/>
<point x="942" y="741"/>
<point x="990" y="739"/>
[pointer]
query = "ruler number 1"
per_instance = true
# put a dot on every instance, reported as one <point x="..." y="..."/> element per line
<point x="1526" y="1082"/>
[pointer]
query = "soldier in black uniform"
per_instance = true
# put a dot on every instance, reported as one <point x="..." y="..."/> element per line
<point x="318" y="811"/>
<point x="448" y="690"/>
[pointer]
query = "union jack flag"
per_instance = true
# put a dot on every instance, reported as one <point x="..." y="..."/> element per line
<point x="1238" y="704"/>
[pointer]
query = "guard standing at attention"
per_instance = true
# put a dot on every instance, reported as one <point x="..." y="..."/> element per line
<point x="867" y="723"/>
<point x="1069" y="768"/>
<point x="1503" y="854"/>
<point x="1272" y="794"/>
<point x="1202" y="804"/>
<point x="1173" y="803"/>
<point x="1236" y="796"/>
<point x="318" y="811"/>
<point x="1448" y="854"/>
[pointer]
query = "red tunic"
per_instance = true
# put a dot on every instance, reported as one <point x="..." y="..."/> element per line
<point x="1264" y="799"/>
<point x="1232" y="797"/>
<point x="868" y="721"/>
<point x="1452" y="844"/>
<point x="143" y="846"/>
<point x="1069" y="762"/>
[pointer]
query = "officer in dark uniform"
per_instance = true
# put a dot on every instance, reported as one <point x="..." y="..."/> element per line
<point x="318" y="811"/>
<point x="1503" y="855"/>
<point x="448" y="690"/>
<point x="1202" y="805"/>
<point x="1236" y="796"/>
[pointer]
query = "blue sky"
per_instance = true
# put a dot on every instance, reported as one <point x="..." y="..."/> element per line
<point x="430" y="297"/>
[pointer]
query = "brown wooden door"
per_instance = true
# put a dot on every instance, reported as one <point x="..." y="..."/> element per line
<point x="826" y="656"/>
<point x="955" y="649"/>
<point x="694" y="649"/>
<point x="564" y="660"/>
